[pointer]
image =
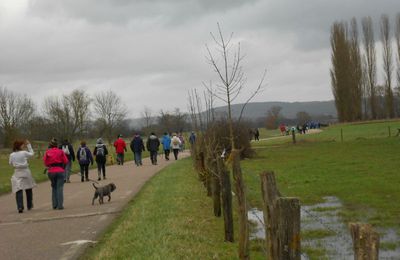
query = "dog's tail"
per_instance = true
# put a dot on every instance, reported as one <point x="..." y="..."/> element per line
<point x="94" y="185"/>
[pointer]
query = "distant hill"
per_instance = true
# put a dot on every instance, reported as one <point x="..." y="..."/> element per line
<point x="256" y="110"/>
<point x="289" y="109"/>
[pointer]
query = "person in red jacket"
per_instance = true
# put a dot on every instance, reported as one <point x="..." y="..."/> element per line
<point x="120" y="149"/>
<point x="55" y="161"/>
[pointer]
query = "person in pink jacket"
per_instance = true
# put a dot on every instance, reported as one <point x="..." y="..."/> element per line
<point x="55" y="161"/>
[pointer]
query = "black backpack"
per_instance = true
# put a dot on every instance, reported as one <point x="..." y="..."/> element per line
<point x="100" y="151"/>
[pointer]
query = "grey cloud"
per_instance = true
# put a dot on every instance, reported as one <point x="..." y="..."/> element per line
<point x="123" y="11"/>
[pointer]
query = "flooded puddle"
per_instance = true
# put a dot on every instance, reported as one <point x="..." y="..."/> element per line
<point x="322" y="229"/>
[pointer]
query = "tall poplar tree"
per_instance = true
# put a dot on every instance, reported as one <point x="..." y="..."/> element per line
<point x="387" y="65"/>
<point x="370" y="63"/>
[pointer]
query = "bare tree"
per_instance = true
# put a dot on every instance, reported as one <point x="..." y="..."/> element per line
<point x="16" y="110"/>
<point x="229" y="71"/>
<point x="387" y="65"/>
<point x="110" y="111"/>
<point x="303" y="117"/>
<point x="273" y="116"/>
<point x="147" y="116"/>
<point x="370" y="62"/>
<point x="397" y="89"/>
<point x="69" y="114"/>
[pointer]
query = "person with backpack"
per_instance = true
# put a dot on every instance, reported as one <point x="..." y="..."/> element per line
<point x="137" y="147"/>
<point x="85" y="158"/>
<point x="192" y="139"/>
<point x="22" y="178"/>
<point x="182" y="145"/>
<point x="55" y="161"/>
<point x="166" y="142"/>
<point x="175" y="145"/>
<point x="120" y="149"/>
<point x="69" y="152"/>
<point x="152" y="146"/>
<point x="100" y="152"/>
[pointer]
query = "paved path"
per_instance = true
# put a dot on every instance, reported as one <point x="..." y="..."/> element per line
<point x="44" y="233"/>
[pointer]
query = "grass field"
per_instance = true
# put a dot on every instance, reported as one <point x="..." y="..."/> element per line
<point x="36" y="164"/>
<point x="172" y="218"/>
<point x="362" y="171"/>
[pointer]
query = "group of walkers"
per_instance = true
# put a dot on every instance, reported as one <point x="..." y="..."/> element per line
<point x="176" y="143"/>
<point x="58" y="160"/>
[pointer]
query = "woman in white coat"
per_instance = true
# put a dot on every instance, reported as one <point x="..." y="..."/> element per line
<point x="22" y="178"/>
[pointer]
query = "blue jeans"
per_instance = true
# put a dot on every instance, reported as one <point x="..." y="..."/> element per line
<point x="68" y="170"/>
<point x="138" y="158"/>
<point x="57" y="187"/>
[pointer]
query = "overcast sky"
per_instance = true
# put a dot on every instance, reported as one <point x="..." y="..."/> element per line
<point x="151" y="52"/>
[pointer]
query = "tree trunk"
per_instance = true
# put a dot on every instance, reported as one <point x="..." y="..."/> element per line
<point x="242" y="205"/>
<point x="216" y="193"/>
<point x="226" y="194"/>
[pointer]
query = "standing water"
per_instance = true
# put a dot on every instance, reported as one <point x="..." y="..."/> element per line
<point x="335" y="241"/>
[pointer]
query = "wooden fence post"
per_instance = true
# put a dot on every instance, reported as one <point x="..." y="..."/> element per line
<point x="282" y="221"/>
<point x="288" y="228"/>
<point x="365" y="241"/>
<point x="226" y="196"/>
<point x="341" y="135"/>
<point x="270" y="194"/>
<point x="294" y="136"/>
<point x="216" y="189"/>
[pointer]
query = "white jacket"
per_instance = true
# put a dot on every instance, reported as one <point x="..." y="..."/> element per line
<point x="175" y="142"/>
<point x="22" y="178"/>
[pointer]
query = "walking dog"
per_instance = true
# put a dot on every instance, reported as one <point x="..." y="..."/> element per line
<point x="102" y="191"/>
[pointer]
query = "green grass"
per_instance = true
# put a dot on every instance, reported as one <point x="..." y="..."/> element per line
<point x="170" y="218"/>
<point x="36" y="164"/>
<point x="363" y="173"/>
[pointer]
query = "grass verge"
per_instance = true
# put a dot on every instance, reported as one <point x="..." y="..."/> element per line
<point x="170" y="218"/>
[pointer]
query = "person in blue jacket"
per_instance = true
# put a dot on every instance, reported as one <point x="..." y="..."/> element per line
<point x="166" y="142"/>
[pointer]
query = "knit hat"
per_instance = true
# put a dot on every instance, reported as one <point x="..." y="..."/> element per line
<point x="99" y="141"/>
<point x="53" y="142"/>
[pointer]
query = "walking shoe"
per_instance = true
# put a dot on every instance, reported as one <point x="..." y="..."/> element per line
<point x="104" y="177"/>
<point x="29" y="208"/>
<point x="20" y="210"/>
<point x="87" y="179"/>
<point x="60" y="208"/>
<point x="68" y="181"/>
<point x="99" y="179"/>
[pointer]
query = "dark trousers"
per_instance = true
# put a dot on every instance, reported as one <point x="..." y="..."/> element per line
<point x="166" y="153"/>
<point x="84" y="171"/>
<point x="101" y="168"/>
<point x="138" y="158"/>
<point x="176" y="151"/>
<point x="120" y="158"/>
<point x="57" y="189"/>
<point x="153" y="157"/>
<point x="19" y="196"/>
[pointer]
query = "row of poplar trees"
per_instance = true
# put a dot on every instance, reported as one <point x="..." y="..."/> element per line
<point x="357" y="94"/>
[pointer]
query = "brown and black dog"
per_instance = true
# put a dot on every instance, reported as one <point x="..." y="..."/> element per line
<point x="103" y="191"/>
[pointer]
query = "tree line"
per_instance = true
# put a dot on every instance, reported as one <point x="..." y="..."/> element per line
<point x="76" y="116"/>
<point x="357" y="93"/>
